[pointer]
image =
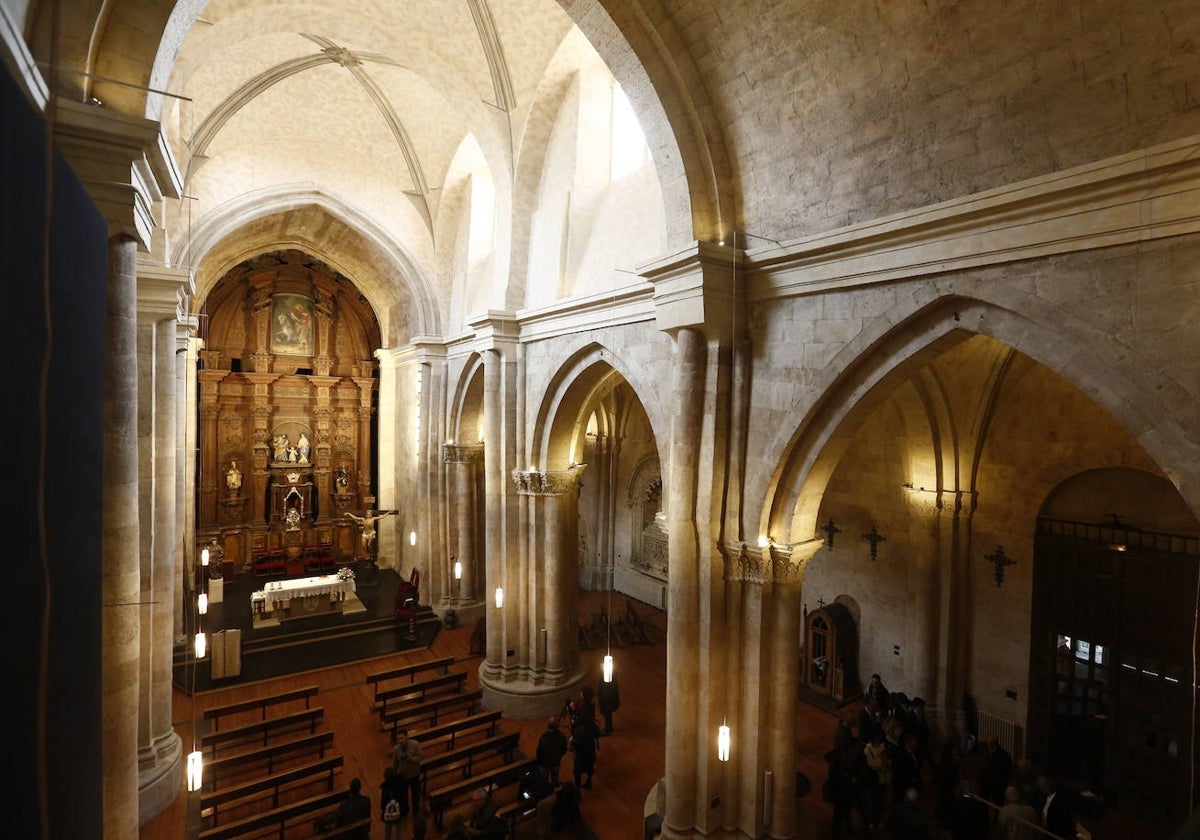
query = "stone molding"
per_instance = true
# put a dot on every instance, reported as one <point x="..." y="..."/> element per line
<point x="551" y="483"/>
<point x="462" y="453"/>
<point x="1146" y="194"/>
<point x="693" y="287"/>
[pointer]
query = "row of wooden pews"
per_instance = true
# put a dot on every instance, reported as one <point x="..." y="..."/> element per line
<point x="464" y="747"/>
<point x="270" y="767"/>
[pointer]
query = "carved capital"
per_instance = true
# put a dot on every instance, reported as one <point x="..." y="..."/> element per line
<point x="322" y="365"/>
<point x="462" y="453"/>
<point x="772" y="564"/>
<point x="556" y="483"/>
<point x="261" y="362"/>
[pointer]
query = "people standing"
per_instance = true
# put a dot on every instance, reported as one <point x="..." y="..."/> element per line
<point x="551" y="747"/>
<point x="997" y="771"/>
<point x="356" y="806"/>
<point x="609" y="697"/>
<point x="1017" y="820"/>
<point x="406" y="759"/>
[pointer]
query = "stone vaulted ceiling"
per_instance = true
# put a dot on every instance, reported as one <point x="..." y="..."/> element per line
<point x="363" y="107"/>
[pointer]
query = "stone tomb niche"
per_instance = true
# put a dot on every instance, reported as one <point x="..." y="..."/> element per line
<point x="830" y="666"/>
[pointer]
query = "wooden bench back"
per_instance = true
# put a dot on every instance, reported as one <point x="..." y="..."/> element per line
<point x="449" y="733"/>
<point x="228" y="765"/>
<point x="303" y="808"/>
<point x="215" y="713"/>
<point x="264" y="728"/>
<point x="453" y="681"/>
<point x="410" y="671"/>
<point x="443" y="797"/>
<point x="465" y="757"/>
<point x="326" y="767"/>
<point x="413" y="714"/>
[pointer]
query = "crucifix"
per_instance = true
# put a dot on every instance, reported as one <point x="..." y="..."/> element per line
<point x="999" y="559"/>
<point x="874" y="538"/>
<point x="830" y="530"/>
<point x="367" y="519"/>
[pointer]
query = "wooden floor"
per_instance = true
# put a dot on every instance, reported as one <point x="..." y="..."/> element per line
<point x="629" y="763"/>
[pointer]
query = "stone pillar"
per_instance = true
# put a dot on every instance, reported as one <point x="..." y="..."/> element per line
<point x="541" y="600"/>
<point x="493" y="489"/>
<point x="683" y="605"/>
<point x="463" y="461"/>
<point x="160" y="748"/>
<point x="121" y="587"/>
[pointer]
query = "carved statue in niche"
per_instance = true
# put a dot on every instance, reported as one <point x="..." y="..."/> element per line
<point x="233" y="478"/>
<point x="303" y="448"/>
<point x="280" y="445"/>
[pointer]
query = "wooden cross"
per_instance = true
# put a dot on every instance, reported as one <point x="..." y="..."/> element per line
<point x="999" y="559"/>
<point x="830" y="529"/>
<point x="874" y="538"/>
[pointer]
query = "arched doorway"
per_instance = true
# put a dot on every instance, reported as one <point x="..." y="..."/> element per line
<point x="1113" y="630"/>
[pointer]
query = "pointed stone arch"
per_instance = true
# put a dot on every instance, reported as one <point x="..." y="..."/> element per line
<point x="889" y="352"/>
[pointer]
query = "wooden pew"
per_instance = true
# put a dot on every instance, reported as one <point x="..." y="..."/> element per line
<point x="261" y="704"/>
<point x="466" y="757"/>
<point x="430" y="712"/>
<point x="230" y="765"/>
<point x="283" y="816"/>
<point x="342" y="831"/>
<point x="449" y="733"/>
<point x="443" y="664"/>
<point x="303" y="774"/>
<point x="347" y="831"/>
<point x="443" y="797"/>
<point x="442" y="684"/>
<point x="264" y="729"/>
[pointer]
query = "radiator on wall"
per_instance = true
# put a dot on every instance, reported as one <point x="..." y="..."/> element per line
<point x="1008" y="732"/>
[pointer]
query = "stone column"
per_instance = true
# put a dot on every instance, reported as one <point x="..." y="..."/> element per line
<point x="160" y="751"/>
<point x="121" y="584"/>
<point x="493" y="531"/>
<point x="464" y="461"/>
<point x="683" y="605"/>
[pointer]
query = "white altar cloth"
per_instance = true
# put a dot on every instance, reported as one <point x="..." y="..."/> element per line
<point x="285" y="590"/>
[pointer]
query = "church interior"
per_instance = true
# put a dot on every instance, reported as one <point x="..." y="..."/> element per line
<point x="838" y="339"/>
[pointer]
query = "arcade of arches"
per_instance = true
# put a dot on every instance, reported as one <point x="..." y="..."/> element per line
<point x="739" y="309"/>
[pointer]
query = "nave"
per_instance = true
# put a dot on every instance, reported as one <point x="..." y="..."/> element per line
<point x="629" y="762"/>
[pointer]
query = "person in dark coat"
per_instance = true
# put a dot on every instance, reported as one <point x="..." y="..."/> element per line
<point x="353" y="808"/>
<point x="585" y="742"/>
<point x="551" y="748"/>
<point x="609" y="700"/>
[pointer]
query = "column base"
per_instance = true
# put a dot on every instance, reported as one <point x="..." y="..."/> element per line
<point x="161" y="780"/>
<point x="520" y="696"/>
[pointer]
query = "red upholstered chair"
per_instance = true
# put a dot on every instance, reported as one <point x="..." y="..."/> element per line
<point x="408" y="596"/>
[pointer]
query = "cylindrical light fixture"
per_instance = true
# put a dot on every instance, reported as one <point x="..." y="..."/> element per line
<point x="201" y="645"/>
<point x="608" y="668"/>
<point x="204" y="557"/>
<point x="458" y="570"/>
<point x="499" y="597"/>
<point x="195" y="770"/>
<point x="412" y="537"/>
<point x="723" y="739"/>
<point x="202" y="603"/>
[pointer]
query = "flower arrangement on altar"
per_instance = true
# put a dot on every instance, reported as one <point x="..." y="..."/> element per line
<point x="345" y="573"/>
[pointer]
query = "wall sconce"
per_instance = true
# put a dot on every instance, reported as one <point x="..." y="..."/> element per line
<point x="999" y="560"/>
<point x="457" y="569"/>
<point x="763" y="541"/>
<point x="195" y="770"/>
<point x="202" y="603"/>
<point x="412" y="537"/>
<point x="723" y="739"/>
<point x="499" y="597"/>
<point x="874" y="538"/>
<point x="200" y="645"/>
<point x="204" y="557"/>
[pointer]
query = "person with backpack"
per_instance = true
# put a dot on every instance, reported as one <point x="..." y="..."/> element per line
<point x="551" y="748"/>
<point x="392" y="793"/>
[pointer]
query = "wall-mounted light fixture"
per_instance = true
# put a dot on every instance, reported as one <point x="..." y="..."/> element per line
<point x="457" y="568"/>
<point x="499" y="597"/>
<point x="412" y="537"/>
<point x="723" y="742"/>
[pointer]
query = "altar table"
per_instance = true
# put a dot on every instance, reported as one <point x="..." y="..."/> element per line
<point x="321" y="593"/>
